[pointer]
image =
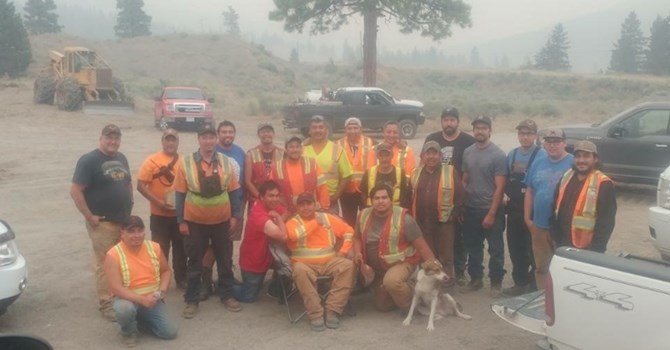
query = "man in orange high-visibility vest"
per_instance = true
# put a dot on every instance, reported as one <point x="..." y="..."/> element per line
<point x="138" y="276"/>
<point x="585" y="206"/>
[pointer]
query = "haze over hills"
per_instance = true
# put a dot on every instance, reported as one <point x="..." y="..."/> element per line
<point x="591" y="31"/>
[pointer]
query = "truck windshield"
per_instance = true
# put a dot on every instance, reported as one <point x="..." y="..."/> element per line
<point x="185" y="94"/>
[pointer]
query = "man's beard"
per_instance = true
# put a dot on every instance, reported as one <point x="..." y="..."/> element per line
<point x="449" y="131"/>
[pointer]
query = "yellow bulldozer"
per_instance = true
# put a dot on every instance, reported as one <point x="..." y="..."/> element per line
<point x="79" y="78"/>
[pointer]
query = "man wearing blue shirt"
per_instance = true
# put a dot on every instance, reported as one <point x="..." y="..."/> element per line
<point x="541" y="181"/>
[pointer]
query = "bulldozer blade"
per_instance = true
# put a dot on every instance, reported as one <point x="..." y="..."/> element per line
<point x="109" y="107"/>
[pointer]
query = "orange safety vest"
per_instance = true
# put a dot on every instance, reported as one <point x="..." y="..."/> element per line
<point x="309" y="177"/>
<point x="445" y="197"/>
<point x="126" y="269"/>
<point x="259" y="174"/>
<point x="299" y="247"/>
<point x="586" y="211"/>
<point x="360" y="163"/>
<point x="372" y="181"/>
<point x="393" y="246"/>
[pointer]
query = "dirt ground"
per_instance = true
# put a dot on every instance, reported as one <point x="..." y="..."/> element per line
<point x="40" y="146"/>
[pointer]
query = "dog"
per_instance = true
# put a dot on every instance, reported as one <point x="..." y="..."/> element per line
<point x="429" y="298"/>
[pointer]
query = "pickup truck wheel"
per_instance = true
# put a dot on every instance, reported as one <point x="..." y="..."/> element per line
<point x="665" y="257"/>
<point x="304" y="131"/>
<point x="407" y="129"/>
<point x="163" y="124"/>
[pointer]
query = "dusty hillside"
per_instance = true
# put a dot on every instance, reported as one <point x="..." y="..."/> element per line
<point x="247" y="80"/>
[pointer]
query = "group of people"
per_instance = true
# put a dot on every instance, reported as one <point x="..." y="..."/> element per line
<point x="341" y="208"/>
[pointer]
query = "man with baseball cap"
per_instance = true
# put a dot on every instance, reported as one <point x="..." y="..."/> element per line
<point x="518" y="236"/>
<point x="437" y="203"/>
<point x="208" y="208"/>
<point x="102" y="191"/>
<point x="484" y="178"/>
<point x="541" y="180"/>
<point x="260" y="161"/>
<point x="311" y="239"/>
<point x="139" y="277"/>
<point x="585" y="206"/>
<point x="388" y="174"/>
<point x="154" y="182"/>
<point x="453" y="143"/>
<point x="360" y="153"/>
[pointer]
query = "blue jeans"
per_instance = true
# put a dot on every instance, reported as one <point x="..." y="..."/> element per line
<point x="247" y="292"/>
<point x="156" y="320"/>
<point x="473" y="237"/>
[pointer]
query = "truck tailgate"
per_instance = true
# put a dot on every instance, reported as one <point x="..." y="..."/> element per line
<point x="525" y="311"/>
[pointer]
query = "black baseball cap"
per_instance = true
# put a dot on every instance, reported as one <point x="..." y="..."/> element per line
<point x="450" y="112"/>
<point x="483" y="120"/>
<point x="132" y="222"/>
<point x="306" y="197"/>
<point x="207" y="128"/>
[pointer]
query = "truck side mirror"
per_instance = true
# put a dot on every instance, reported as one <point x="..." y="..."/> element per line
<point x="616" y="132"/>
<point x="210" y="100"/>
<point x="157" y="98"/>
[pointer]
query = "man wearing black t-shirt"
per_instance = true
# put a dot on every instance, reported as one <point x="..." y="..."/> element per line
<point x="102" y="191"/>
<point x="453" y="142"/>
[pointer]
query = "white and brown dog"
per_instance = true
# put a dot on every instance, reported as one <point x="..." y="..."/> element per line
<point x="429" y="297"/>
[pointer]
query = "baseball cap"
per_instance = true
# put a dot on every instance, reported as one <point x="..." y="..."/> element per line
<point x="529" y="124"/>
<point x="293" y="139"/>
<point x="554" y="133"/>
<point x="131" y="222"/>
<point x="586" y="146"/>
<point x="170" y="132"/>
<point x="431" y="145"/>
<point x="264" y="125"/>
<point x="482" y="119"/>
<point x="450" y="112"/>
<point x="384" y="147"/>
<point x="352" y="120"/>
<point x="110" y="129"/>
<point x="305" y="197"/>
<point x="206" y="129"/>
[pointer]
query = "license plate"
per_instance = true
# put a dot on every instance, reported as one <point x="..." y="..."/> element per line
<point x="190" y="119"/>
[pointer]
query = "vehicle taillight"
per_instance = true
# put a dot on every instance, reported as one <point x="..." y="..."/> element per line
<point x="549" y="300"/>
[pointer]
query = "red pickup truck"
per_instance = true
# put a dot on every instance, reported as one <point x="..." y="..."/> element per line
<point x="180" y="106"/>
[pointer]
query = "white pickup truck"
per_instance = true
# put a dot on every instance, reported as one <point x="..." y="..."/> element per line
<point x="659" y="216"/>
<point x="595" y="301"/>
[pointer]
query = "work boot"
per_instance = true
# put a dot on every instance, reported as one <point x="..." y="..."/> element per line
<point x="317" y="325"/>
<point x="496" y="289"/>
<point x="207" y="285"/>
<point x="108" y="314"/>
<point x="332" y="319"/>
<point x="515" y="290"/>
<point x="461" y="280"/>
<point x="189" y="311"/>
<point x="231" y="304"/>
<point x="130" y="341"/>
<point x="474" y="285"/>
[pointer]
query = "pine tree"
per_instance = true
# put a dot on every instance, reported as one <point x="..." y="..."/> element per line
<point x="15" y="52"/>
<point x="658" y="54"/>
<point x="628" y="53"/>
<point x="41" y="17"/>
<point x="295" y="57"/>
<point x="554" y="54"/>
<point x="132" y="21"/>
<point x="231" y="20"/>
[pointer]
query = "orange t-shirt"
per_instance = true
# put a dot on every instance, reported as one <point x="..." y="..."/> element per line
<point x="296" y="178"/>
<point x="317" y="238"/>
<point x="140" y="265"/>
<point x="410" y="161"/>
<point x="159" y="187"/>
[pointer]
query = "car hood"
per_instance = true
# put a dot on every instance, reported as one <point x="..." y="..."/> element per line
<point x="414" y="103"/>
<point x="178" y="100"/>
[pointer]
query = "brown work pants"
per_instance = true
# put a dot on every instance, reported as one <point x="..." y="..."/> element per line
<point x="393" y="289"/>
<point x="440" y="239"/>
<point x="543" y="250"/>
<point x="304" y="275"/>
<point x="103" y="237"/>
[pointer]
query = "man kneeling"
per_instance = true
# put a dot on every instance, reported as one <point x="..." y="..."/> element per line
<point x="311" y="240"/>
<point x="139" y="276"/>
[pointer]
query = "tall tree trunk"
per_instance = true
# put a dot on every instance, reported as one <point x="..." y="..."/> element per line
<point x="370" y="44"/>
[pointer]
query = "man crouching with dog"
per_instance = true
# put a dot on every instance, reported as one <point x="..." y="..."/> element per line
<point x="389" y="240"/>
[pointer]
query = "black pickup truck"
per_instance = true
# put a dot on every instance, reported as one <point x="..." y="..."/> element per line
<point x="373" y="106"/>
<point x="634" y="145"/>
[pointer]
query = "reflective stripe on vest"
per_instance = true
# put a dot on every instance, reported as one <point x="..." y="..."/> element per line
<point x="310" y="180"/>
<point x="372" y="182"/>
<point x="302" y="250"/>
<point x="258" y="163"/>
<point x="445" y="199"/>
<point x="585" y="212"/>
<point x="333" y="173"/>
<point x="193" y="182"/>
<point x="393" y="247"/>
<point x="359" y="164"/>
<point x="125" y="269"/>
<point x="402" y="156"/>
